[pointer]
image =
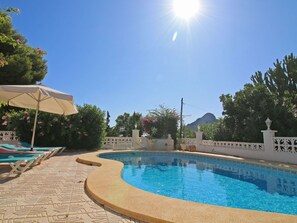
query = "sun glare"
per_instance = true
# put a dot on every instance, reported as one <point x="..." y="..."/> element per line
<point x="186" y="9"/>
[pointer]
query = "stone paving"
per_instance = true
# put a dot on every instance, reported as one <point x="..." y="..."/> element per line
<point x="53" y="192"/>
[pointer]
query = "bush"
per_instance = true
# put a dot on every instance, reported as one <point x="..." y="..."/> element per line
<point x="215" y="131"/>
<point x="88" y="130"/>
<point x="83" y="130"/>
<point x="160" y="122"/>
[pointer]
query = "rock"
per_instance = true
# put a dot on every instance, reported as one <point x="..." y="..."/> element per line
<point x="208" y="118"/>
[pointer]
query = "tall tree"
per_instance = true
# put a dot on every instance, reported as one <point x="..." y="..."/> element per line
<point x="281" y="81"/>
<point x="19" y="62"/>
<point x="245" y="114"/>
<point x="122" y="125"/>
<point x="126" y="123"/>
<point x="161" y="121"/>
<point x="188" y="132"/>
<point x="272" y="95"/>
<point x="107" y="120"/>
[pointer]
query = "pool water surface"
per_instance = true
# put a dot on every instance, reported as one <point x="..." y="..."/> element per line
<point x="210" y="180"/>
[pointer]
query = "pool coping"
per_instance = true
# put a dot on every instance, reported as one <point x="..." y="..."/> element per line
<point x="106" y="186"/>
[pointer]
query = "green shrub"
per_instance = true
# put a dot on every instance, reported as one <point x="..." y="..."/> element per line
<point x="84" y="130"/>
<point x="160" y="122"/>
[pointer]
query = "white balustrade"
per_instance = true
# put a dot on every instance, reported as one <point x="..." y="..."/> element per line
<point x="285" y="144"/>
<point x="8" y="136"/>
<point x="117" y="142"/>
<point x="207" y="142"/>
<point x="189" y="141"/>
<point x="235" y="145"/>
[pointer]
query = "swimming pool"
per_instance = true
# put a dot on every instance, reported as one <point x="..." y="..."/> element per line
<point x="210" y="180"/>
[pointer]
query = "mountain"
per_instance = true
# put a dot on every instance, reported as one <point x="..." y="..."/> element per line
<point x="208" y="118"/>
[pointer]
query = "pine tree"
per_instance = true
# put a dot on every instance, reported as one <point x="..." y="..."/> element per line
<point x="19" y="62"/>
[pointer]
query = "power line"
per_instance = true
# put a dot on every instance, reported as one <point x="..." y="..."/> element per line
<point x="194" y="106"/>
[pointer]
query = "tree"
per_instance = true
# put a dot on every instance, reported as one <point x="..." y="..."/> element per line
<point x="107" y="120"/>
<point x="209" y="130"/>
<point x="135" y="121"/>
<point x="188" y="132"/>
<point x="160" y="122"/>
<point x="281" y="82"/>
<point x="246" y="112"/>
<point x="126" y="123"/>
<point x="88" y="127"/>
<point x="84" y="130"/>
<point x="272" y="95"/>
<point x="122" y="125"/>
<point x="19" y="63"/>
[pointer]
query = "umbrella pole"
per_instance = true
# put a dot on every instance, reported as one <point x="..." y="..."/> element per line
<point x="35" y="122"/>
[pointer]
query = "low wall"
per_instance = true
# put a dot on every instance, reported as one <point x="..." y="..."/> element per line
<point x="283" y="150"/>
<point x="117" y="143"/>
<point x="189" y="142"/>
<point x="8" y="136"/>
<point x="245" y="152"/>
<point x="158" y="144"/>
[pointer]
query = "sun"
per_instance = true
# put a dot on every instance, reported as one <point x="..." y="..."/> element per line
<point x="186" y="9"/>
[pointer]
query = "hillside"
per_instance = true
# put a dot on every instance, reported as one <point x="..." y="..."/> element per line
<point x="208" y="118"/>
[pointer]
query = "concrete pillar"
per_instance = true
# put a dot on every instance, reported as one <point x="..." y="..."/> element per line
<point x="169" y="143"/>
<point x="268" y="135"/>
<point x="135" y="139"/>
<point x="268" y="139"/>
<point x="198" y="136"/>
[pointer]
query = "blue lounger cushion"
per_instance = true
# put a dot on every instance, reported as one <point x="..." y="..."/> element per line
<point x="12" y="157"/>
<point x="20" y="162"/>
<point x="25" y="144"/>
<point x="12" y="147"/>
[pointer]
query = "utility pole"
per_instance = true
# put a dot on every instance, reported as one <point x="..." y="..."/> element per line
<point x="181" y="119"/>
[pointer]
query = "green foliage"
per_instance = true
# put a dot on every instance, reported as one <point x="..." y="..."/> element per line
<point x="10" y="9"/>
<point x="89" y="128"/>
<point x="281" y="79"/>
<point x="160" y="122"/>
<point x="125" y="124"/>
<point x="273" y="95"/>
<point x="216" y="131"/>
<point x="246" y="112"/>
<point x="19" y="63"/>
<point x="84" y="130"/>
<point x="188" y="132"/>
<point x="208" y="131"/>
<point x="281" y="82"/>
<point x="107" y="121"/>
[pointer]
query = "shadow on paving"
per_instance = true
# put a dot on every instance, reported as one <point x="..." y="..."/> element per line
<point x="53" y="192"/>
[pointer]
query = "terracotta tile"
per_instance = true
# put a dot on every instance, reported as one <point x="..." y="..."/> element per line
<point x="52" y="192"/>
<point x="77" y="218"/>
<point x="27" y="220"/>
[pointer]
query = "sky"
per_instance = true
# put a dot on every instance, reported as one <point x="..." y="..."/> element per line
<point x="134" y="55"/>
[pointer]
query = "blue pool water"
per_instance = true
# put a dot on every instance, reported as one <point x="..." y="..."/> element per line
<point x="210" y="180"/>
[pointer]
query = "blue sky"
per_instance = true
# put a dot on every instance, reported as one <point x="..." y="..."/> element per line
<point x="119" y="55"/>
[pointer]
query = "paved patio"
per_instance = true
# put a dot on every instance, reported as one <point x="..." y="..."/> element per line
<point x="53" y="192"/>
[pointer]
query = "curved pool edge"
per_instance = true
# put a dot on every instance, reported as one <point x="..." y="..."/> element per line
<point x="106" y="186"/>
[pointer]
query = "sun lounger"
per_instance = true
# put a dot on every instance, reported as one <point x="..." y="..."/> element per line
<point x="53" y="151"/>
<point x="36" y="157"/>
<point x="61" y="148"/>
<point x="19" y="162"/>
<point x="45" y="154"/>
